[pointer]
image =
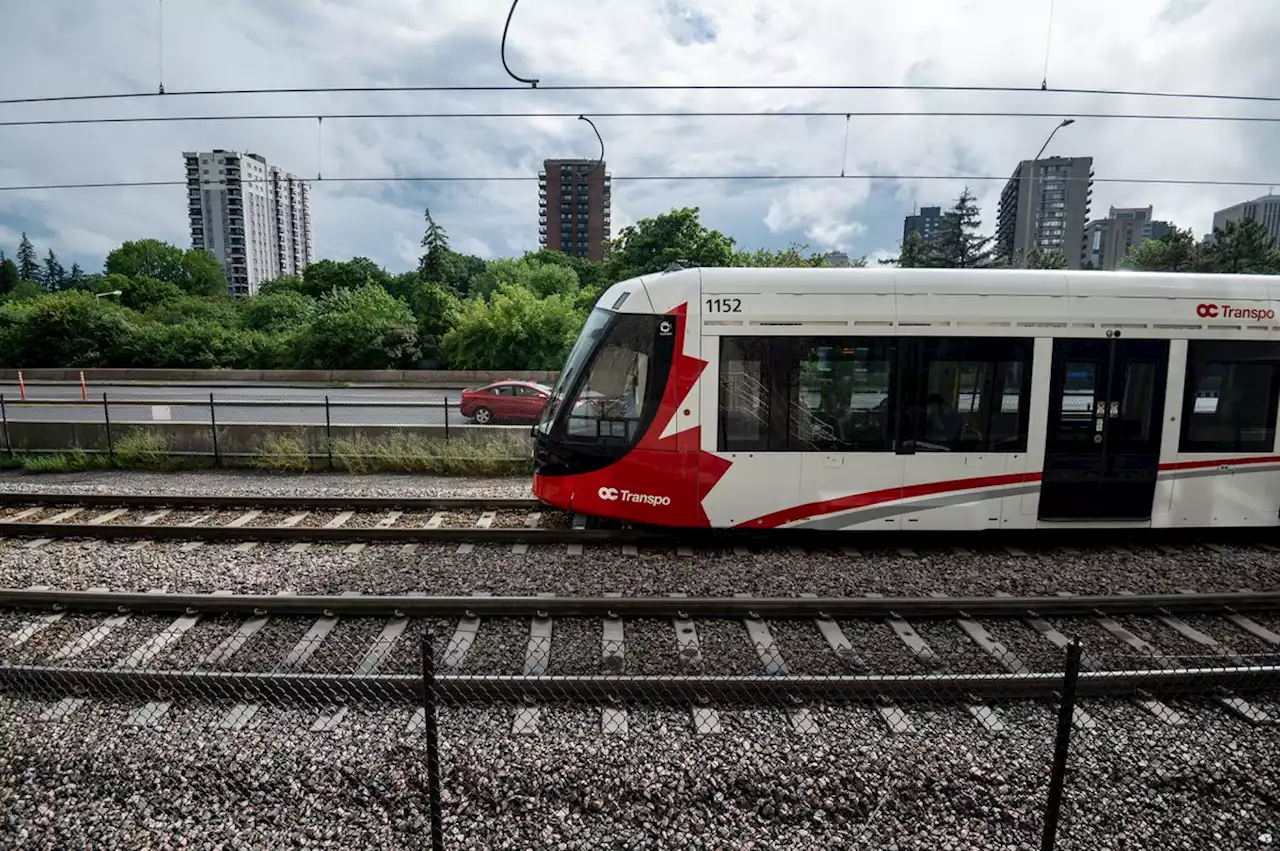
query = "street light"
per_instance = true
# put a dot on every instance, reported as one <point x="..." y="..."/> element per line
<point x="1031" y="191"/>
<point x="104" y="295"/>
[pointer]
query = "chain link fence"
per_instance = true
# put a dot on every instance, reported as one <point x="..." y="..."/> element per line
<point x="273" y="732"/>
<point x="358" y="430"/>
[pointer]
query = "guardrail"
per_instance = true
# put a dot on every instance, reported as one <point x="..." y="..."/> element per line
<point x="409" y="377"/>
<point x="227" y="429"/>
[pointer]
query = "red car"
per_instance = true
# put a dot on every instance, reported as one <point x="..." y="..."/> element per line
<point x="505" y="401"/>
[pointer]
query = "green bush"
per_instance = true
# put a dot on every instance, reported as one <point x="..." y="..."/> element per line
<point x="282" y="453"/>
<point x="499" y="456"/>
<point x="143" y="449"/>
<point x="64" y="462"/>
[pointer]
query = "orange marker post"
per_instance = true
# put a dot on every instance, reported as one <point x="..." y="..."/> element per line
<point x="22" y="386"/>
<point x="84" y="390"/>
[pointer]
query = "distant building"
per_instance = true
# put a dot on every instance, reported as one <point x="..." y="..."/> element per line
<point x="837" y="258"/>
<point x="1108" y="241"/>
<point x="573" y="207"/>
<point x="1265" y="210"/>
<point x="255" y="218"/>
<point x="1045" y="205"/>
<point x="927" y="223"/>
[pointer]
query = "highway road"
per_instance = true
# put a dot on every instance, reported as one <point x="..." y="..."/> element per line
<point x="275" y="404"/>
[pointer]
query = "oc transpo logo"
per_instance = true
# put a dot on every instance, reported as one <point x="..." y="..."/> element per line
<point x="1226" y="311"/>
<point x="615" y="494"/>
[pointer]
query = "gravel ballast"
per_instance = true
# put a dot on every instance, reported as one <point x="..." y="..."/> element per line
<point x="92" y="781"/>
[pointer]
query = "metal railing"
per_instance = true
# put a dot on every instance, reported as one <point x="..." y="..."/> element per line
<point x="213" y="427"/>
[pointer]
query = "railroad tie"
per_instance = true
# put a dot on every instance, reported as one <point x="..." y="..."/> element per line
<point x="706" y="719"/>
<point x="537" y="658"/>
<point x="761" y="639"/>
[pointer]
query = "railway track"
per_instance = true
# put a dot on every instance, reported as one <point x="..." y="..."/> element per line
<point x="38" y="519"/>
<point x="702" y="654"/>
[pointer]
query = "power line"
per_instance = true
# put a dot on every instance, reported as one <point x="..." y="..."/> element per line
<point x="637" y="178"/>
<point x="650" y="87"/>
<point x="366" y="116"/>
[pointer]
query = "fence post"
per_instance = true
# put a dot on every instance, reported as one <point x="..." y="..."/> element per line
<point x="4" y="414"/>
<point x="328" y="431"/>
<point x="213" y="429"/>
<point x="446" y="416"/>
<point x="431" y="727"/>
<point x="1057" y="776"/>
<point x="106" y="418"/>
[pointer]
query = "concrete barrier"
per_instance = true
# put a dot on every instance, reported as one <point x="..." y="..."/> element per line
<point x="237" y="443"/>
<point x="332" y="377"/>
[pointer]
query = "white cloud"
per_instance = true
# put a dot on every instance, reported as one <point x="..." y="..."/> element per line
<point x="83" y="46"/>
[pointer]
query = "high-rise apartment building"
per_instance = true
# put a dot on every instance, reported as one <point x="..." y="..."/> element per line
<point x="927" y="223"/>
<point x="1045" y="205"/>
<point x="1265" y="210"/>
<point x="1108" y="241"/>
<point x="573" y="207"/>
<point x="255" y="218"/>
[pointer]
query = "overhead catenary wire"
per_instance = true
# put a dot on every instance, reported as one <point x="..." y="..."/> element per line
<point x="650" y="87"/>
<point x="393" y="116"/>
<point x="502" y="50"/>
<point x="637" y="178"/>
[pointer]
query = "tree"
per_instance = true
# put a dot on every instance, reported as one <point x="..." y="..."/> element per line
<point x="915" y="253"/>
<point x="652" y="245"/>
<point x="512" y="329"/>
<point x="325" y="277"/>
<point x="70" y="329"/>
<point x="959" y="246"/>
<point x="211" y="312"/>
<point x="28" y="266"/>
<point x="194" y="271"/>
<point x="9" y="277"/>
<point x="542" y="279"/>
<point x="54" y="275"/>
<point x="141" y="293"/>
<point x="277" y="312"/>
<point x="1176" y="251"/>
<point x="1041" y="259"/>
<point x="792" y="256"/>
<point x="76" y="279"/>
<point x="433" y="265"/>
<point x="366" y="328"/>
<point x="1243" y="247"/>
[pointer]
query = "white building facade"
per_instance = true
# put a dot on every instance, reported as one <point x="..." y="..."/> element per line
<point x="255" y="218"/>
<point x="1265" y="210"/>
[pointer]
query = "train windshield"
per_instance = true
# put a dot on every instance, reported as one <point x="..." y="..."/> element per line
<point x="597" y="323"/>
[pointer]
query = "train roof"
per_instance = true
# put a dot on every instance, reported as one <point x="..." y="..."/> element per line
<point x="986" y="282"/>
<point x="1012" y="298"/>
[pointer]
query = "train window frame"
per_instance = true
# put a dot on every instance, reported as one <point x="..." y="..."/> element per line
<point x="1004" y="364"/>
<point x="1202" y="357"/>
<point x="837" y="429"/>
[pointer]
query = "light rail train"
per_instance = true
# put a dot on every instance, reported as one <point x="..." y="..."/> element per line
<point x="939" y="399"/>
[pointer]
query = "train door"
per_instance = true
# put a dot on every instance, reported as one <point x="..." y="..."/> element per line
<point x="1102" y="448"/>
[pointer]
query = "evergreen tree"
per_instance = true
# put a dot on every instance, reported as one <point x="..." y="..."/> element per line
<point x="959" y="246"/>
<point x="76" y="278"/>
<point x="54" y="274"/>
<point x="8" y="275"/>
<point x="915" y="253"/>
<point x="28" y="266"/>
<point x="1243" y="248"/>
<point x="1176" y="251"/>
<point x="1039" y="258"/>
<point x="433" y="265"/>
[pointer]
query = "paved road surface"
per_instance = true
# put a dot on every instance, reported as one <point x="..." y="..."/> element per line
<point x="342" y="411"/>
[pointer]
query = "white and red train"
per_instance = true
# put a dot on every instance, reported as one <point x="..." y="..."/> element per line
<point x="872" y="399"/>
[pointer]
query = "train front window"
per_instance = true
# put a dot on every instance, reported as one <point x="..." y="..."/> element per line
<point x="597" y="323"/>
<point x="615" y="393"/>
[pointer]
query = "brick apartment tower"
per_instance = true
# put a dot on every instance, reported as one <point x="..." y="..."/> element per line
<point x="573" y="207"/>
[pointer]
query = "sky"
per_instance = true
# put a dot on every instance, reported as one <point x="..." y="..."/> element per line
<point x="84" y="47"/>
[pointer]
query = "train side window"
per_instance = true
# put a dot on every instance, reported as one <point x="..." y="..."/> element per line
<point x="841" y="392"/>
<point x="971" y="395"/>
<point x="744" y="393"/>
<point x="1231" y="396"/>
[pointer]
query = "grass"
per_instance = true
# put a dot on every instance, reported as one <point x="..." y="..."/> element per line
<point x="495" y="456"/>
<point x="142" y="449"/>
<point x="282" y="453"/>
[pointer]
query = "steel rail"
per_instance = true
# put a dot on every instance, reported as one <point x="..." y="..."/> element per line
<point x="47" y="682"/>
<point x="638" y="607"/>
<point x="282" y="503"/>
